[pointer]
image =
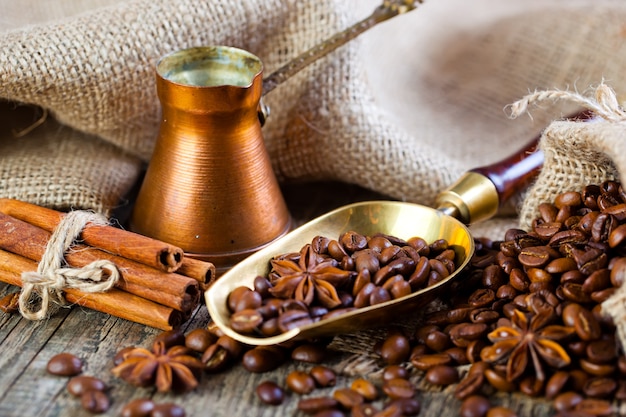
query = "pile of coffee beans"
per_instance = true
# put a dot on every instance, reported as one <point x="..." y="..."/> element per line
<point x="93" y="392"/>
<point x="353" y="271"/>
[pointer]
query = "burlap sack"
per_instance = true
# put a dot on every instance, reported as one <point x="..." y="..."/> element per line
<point x="402" y="111"/>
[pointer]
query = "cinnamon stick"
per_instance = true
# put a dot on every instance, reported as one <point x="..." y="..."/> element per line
<point x="202" y="271"/>
<point x="114" y="302"/>
<point x="169" y="289"/>
<point x="139" y="248"/>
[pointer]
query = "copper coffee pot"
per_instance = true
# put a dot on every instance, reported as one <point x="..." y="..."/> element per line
<point x="209" y="187"/>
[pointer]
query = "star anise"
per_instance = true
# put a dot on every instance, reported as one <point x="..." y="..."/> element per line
<point x="311" y="277"/>
<point x="530" y="341"/>
<point x="170" y="369"/>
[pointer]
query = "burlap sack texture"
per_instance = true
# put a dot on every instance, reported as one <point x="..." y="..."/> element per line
<point x="336" y="120"/>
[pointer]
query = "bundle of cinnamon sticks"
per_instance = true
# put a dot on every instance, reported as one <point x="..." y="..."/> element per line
<point x="159" y="286"/>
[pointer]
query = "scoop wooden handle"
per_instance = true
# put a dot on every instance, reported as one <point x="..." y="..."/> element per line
<point x="480" y="192"/>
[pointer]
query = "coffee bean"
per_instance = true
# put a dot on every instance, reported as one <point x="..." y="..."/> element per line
<point x="474" y="406"/>
<point x="353" y="241"/>
<point x="65" y="364"/>
<point x="270" y="393"/>
<point x="499" y="381"/>
<point x="323" y="376"/>
<point x="395" y="371"/>
<point x="556" y="383"/>
<point x="500" y="411"/>
<point x="199" y="339"/>
<point x="300" y="382"/>
<point x="600" y="387"/>
<point x="167" y="410"/>
<point x="263" y="359"/>
<point x="442" y="375"/>
<point x="314" y="405"/>
<point x="407" y="406"/>
<point x="95" y="402"/>
<point x="470" y="385"/>
<point x="78" y="385"/>
<point x="348" y="398"/>
<point x="595" y="407"/>
<point x="567" y="401"/>
<point x="246" y="321"/>
<point x="140" y="407"/>
<point x="398" y="388"/>
<point x="583" y="321"/>
<point x="365" y="388"/>
<point x="602" y="351"/>
<point x="292" y="319"/>
<point x="425" y="362"/>
<point x="395" y="349"/>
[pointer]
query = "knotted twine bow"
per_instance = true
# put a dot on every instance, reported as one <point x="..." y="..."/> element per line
<point x="52" y="277"/>
<point x="606" y="105"/>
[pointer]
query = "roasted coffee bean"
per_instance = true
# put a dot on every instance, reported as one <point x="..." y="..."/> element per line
<point x="442" y="375"/>
<point x="140" y="407"/>
<point x="474" y="406"/>
<point x="65" y="364"/>
<point x="199" y="339"/>
<point x="458" y="355"/>
<point x="379" y="295"/>
<point x="353" y="241"/>
<point x="519" y="280"/>
<point x="583" y="321"/>
<point x="313" y="405"/>
<point x="78" y="385"/>
<point x="398" y="388"/>
<point x="500" y="411"/>
<point x="292" y="319"/>
<point x="395" y="371"/>
<point x="323" y="376"/>
<point x="395" y="349"/>
<point x="366" y="388"/>
<point x="548" y="212"/>
<point x="270" y="393"/>
<point x="390" y="253"/>
<point x="216" y="358"/>
<point x="567" y="401"/>
<point x="400" y="289"/>
<point x="484" y="315"/>
<point x="309" y="352"/>
<point x="600" y="387"/>
<point x="348" y="398"/>
<point x="335" y="250"/>
<point x="499" y="381"/>
<point x="403" y="266"/>
<point x="536" y="256"/>
<point x="595" y="407"/>
<point x="362" y="299"/>
<point x="481" y="297"/>
<point x="602" y="351"/>
<point x="262" y="285"/>
<point x="531" y="386"/>
<point x="235" y="296"/>
<point x="95" y="402"/>
<point x="470" y="385"/>
<point x="438" y="341"/>
<point x="300" y="382"/>
<point x="596" y="369"/>
<point x="474" y="349"/>
<point x="263" y="359"/>
<point x="493" y="277"/>
<point x="556" y="383"/>
<point x="246" y="321"/>
<point x="167" y="410"/>
<point x="407" y="406"/>
<point x="425" y="362"/>
<point x="462" y="334"/>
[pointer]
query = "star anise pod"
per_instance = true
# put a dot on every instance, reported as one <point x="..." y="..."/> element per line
<point x="530" y="341"/>
<point x="312" y="277"/>
<point x="170" y="369"/>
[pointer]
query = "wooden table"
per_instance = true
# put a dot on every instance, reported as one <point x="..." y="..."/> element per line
<point x="26" y="389"/>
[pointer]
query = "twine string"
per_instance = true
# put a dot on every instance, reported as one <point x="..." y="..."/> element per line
<point x="604" y="103"/>
<point x="52" y="277"/>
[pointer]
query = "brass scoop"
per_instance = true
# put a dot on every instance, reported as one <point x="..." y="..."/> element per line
<point x="476" y="196"/>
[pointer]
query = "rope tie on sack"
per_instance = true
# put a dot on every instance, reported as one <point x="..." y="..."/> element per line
<point x="604" y="104"/>
<point x="52" y="277"/>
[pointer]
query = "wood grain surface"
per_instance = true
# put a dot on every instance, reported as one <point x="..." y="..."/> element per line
<point x="26" y="389"/>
